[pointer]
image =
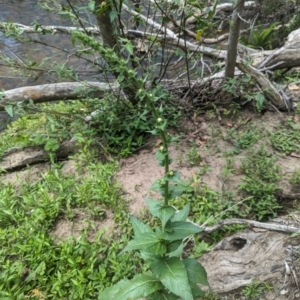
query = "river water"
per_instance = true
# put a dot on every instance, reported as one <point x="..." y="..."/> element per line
<point x="26" y="12"/>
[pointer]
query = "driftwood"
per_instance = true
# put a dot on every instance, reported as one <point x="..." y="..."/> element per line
<point x="262" y="252"/>
<point x="17" y="158"/>
<point x="259" y="256"/>
<point x="48" y="29"/>
<point x="54" y="92"/>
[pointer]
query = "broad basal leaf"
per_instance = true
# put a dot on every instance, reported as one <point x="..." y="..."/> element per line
<point x="149" y="241"/>
<point x="111" y="292"/>
<point x="179" y="230"/>
<point x="140" y="286"/>
<point x="196" y="272"/>
<point x="173" y="275"/>
<point x="139" y="227"/>
<point x="163" y="295"/>
<point x="182" y="214"/>
<point x="197" y="292"/>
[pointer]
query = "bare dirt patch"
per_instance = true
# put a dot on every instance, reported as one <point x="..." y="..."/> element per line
<point x="82" y="221"/>
<point x="139" y="172"/>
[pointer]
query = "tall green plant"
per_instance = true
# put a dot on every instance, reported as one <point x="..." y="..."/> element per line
<point x="170" y="276"/>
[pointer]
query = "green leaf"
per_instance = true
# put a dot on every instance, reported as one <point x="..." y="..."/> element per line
<point x="129" y="47"/>
<point x="177" y="252"/>
<point x="163" y="295"/>
<point x="196" y="291"/>
<point x="40" y="270"/>
<point x="154" y="206"/>
<point x="182" y="214"/>
<point x="175" y="191"/>
<point x="51" y="145"/>
<point x="9" y="110"/>
<point x="159" y="186"/>
<point x="175" y="177"/>
<point x="112" y="15"/>
<point x="121" y="78"/>
<point x="149" y="241"/>
<point x="157" y="209"/>
<point x="165" y="214"/>
<point x="173" y="275"/>
<point x="140" y="286"/>
<point x="160" y="157"/>
<point x="91" y="5"/>
<point x="139" y="227"/>
<point x="178" y="230"/>
<point x="196" y="272"/>
<point x="260" y="100"/>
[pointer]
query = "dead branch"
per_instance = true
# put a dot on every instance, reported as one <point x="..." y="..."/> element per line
<point x="225" y="7"/>
<point x="287" y="58"/>
<point x="55" y="92"/>
<point x="252" y="224"/>
<point x="176" y="41"/>
<point x="267" y="87"/>
<point x="48" y="29"/>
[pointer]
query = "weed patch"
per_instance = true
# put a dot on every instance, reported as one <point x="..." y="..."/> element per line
<point x="295" y="178"/>
<point x="260" y="182"/>
<point x="243" y="139"/>
<point x="287" y="139"/>
<point x="33" y="263"/>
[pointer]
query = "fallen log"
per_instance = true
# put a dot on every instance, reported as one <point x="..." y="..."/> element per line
<point x="55" y="92"/>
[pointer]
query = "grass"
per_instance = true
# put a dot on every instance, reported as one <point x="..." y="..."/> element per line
<point x="261" y="182"/>
<point x="295" y="178"/>
<point x="255" y="290"/>
<point x="286" y="138"/>
<point x="33" y="262"/>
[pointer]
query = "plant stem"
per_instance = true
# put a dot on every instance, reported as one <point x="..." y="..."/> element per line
<point x="162" y="135"/>
<point x="166" y="148"/>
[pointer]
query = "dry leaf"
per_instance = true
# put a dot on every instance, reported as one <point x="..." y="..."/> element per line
<point x="200" y="143"/>
<point x="200" y="119"/>
<point x="205" y="137"/>
<point x="158" y="143"/>
<point x="293" y="87"/>
<point x="296" y="119"/>
<point x="247" y="120"/>
<point x="293" y="154"/>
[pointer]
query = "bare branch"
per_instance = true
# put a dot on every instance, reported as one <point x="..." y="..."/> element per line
<point x="49" y="29"/>
<point x="252" y="224"/>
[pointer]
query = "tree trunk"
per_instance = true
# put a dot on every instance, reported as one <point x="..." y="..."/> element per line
<point x="107" y="28"/>
<point x="233" y="41"/>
